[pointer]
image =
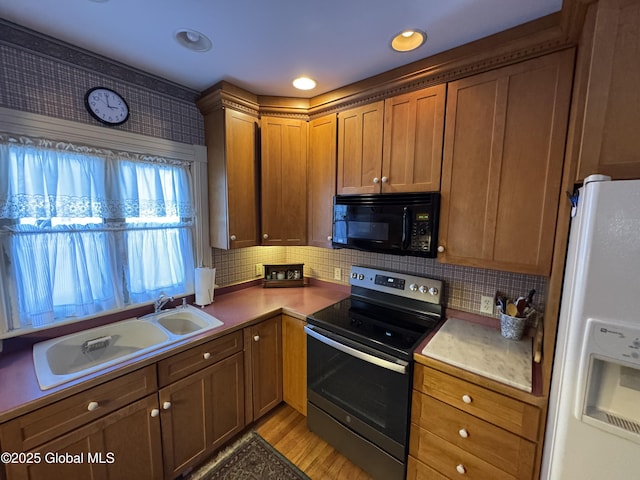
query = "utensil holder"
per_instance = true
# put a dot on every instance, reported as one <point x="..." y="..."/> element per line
<point x="512" y="328"/>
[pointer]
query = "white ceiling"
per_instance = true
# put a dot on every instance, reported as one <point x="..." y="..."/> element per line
<point x="261" y="45"/>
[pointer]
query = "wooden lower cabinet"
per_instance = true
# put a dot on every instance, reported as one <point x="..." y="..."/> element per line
<point x="123" y="445"/>
<point x="460" y="428"/>
<point x="200" y="413"/>
<point x="294" y="363"/>
<point x="263" y="367"/>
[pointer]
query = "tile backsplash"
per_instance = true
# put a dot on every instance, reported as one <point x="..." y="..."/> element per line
<point x="463" y="285"/>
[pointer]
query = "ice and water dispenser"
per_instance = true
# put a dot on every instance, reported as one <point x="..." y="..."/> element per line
<point x="609" y="380"/>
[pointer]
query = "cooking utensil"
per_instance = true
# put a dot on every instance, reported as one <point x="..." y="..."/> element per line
<point x="521" y="305"/>
<point x="512" y="310"/>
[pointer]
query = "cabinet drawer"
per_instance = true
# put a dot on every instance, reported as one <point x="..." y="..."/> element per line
<point x="502" y="449"/>
<point x="46" y="423"/>
<point x="185" y="363"/>
<point x="416" y="470"/>
<point x="511" y="414"/>
<point x="449" y="460"/>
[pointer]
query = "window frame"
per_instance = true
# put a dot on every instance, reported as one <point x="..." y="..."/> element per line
<point x="39" y="126"/>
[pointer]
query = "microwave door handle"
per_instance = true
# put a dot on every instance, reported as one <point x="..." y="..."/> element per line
<point x="406" y="212"/>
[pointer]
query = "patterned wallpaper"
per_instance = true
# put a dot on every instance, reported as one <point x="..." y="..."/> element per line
<point x="48" y="77"/>
<point x="45" y="76"/>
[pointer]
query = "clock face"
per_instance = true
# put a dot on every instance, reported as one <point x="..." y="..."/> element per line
<point x="106" y="106"/>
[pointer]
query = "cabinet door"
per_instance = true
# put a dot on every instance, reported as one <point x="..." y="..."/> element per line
<point x="322" y="179"/>
<point x="233" y="178"/>
<point x="413" y="135"/>
<point x="284" y="181"/>
<point x="294" y="363"/>
<point x="503" y="155"/>
<point x="360" y="149"/>
<point x="201" y="412"/>
<point x="609" y="143"/>
<point x="123" y="445"/>
<point x="266" y="365"/>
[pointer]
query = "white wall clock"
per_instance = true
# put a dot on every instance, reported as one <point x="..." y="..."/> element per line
<point x="106" y="106"/>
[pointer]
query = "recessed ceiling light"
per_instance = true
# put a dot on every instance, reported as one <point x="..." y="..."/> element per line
<point x="408" y="40"/>
<point x="304" y="83"/>
<point x="193" y="40"/>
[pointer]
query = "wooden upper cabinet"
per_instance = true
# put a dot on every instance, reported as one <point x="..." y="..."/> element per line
<point x="413" y="135"/>
<point x="284" y="181"/>
<point x="322" y="179"/>
<point x="233" y="178"/>
<point x="609" y="142"/>
<point x="502" y="166"/>
<point x="360" y="149"/>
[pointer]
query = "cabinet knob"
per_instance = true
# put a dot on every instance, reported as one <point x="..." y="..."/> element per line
<point x="92" y="406"/>
<point x="461" y="469"/>
<point x="232" y="237"/>
<point x="166" y="405"/>
<point x="155" y="412"/>
<point x="329" y="238"/>
<point x="376" y="180"/>
<point x="385" y="179"/>
<point x="265" y="236"/>
<point x="206" y="356"/>
<point x="440" y="248"/>
<point x="466" y="398"/>
<point x="463" y="433"/>
<point x="256" y="338"/>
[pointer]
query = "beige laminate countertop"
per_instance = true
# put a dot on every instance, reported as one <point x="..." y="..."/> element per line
<point x="19" y="389"/>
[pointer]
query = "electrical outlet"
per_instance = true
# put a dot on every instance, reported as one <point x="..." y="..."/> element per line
<point x="337" y="273"/>
<point x="486" y="304"/>
<point x="259" y="270"/>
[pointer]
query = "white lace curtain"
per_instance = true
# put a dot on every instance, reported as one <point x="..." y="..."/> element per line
<point x="85" y="230"/>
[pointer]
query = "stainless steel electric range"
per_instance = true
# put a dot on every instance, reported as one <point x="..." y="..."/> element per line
<point x="360" y="366"/>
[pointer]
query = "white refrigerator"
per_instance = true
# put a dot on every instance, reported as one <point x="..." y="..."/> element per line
<point x="593" y="424"/>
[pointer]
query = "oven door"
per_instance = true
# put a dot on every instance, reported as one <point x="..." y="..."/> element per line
<point x="365" y="390"/>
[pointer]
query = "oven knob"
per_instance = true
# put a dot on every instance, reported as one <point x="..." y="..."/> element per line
<point x="361" y="276"/>
<point x="423" y="289"/>
<point x="413" y="287"/>
<point x="433" y="291"/>
<point x="354" y="275"/>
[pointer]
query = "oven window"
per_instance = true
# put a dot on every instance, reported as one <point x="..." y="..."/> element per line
<point x="375" y="395"/>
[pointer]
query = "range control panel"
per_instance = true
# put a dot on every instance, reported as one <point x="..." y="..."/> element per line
<point x="402" y="284"/>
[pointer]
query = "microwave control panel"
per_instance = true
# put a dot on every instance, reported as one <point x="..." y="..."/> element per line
<point x="421" y="231"/>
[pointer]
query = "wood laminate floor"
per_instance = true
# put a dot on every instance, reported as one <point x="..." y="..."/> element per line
<point x="286" y="430"/>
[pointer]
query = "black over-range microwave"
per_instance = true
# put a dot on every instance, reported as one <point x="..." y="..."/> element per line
<point x="400" y="224"/>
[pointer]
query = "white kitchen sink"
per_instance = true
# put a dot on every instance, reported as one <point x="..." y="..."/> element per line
<point x="185" y="321"/>
<point x="66" y="358"/>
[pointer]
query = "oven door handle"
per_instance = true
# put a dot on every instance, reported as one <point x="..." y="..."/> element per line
<point x="399" y="367"/>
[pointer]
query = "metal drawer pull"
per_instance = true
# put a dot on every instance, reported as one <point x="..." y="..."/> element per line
<point x="206" y="356"/>
<point x="166" y="405"/>
<point x="92" y="406"/>
<point x="460" y="468"/>
<point x="466" y="399"/>
<point x="463" y="433"/>
<point x="155" y="412"/>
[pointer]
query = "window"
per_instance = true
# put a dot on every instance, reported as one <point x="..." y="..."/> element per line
<point x="85" y="231"/>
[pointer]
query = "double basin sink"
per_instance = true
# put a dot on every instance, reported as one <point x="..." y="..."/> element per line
<point x="63" y="359"/>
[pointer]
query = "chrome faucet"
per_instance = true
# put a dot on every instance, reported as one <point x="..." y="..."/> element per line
<point x="161" y="301"/>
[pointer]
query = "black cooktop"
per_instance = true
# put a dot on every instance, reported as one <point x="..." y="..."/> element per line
<point x="390" y="329"/>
